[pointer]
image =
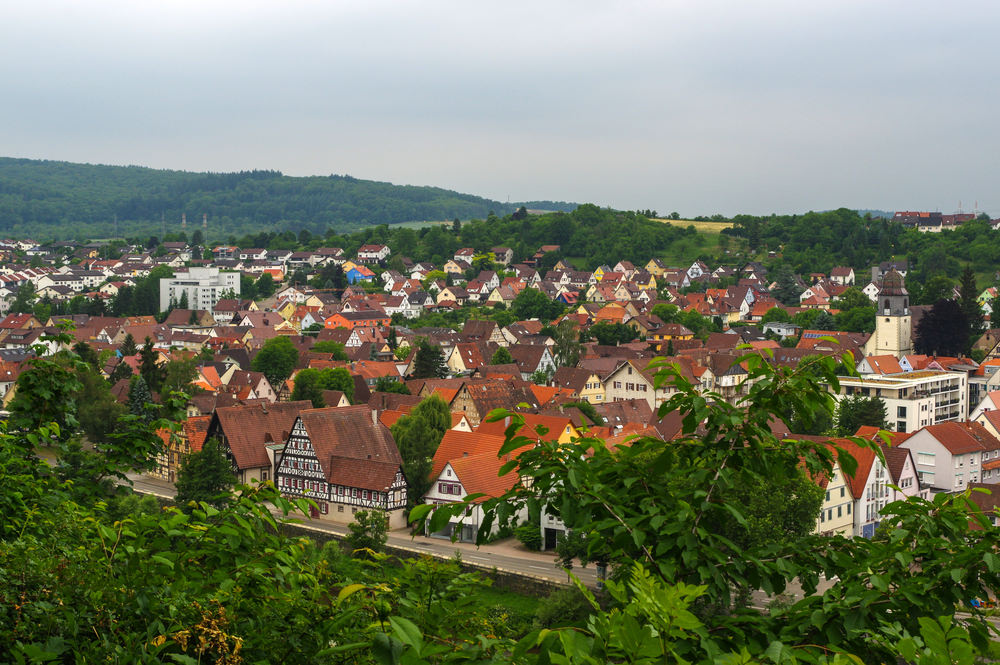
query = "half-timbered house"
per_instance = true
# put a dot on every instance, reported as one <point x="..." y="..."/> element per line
<point x="245" y="432"/>
<point x="345" y="461"/>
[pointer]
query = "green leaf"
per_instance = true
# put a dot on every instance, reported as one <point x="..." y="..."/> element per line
<point x="159" y="558"/>
<point x="386" y="650"/>
<point x="182" y="659"/>
<point x="348" y="590"/>
<point x="420" y="512"/>
<point x="407" y="632"/>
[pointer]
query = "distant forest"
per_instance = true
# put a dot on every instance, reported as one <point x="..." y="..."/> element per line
<point x="62" y="200"/>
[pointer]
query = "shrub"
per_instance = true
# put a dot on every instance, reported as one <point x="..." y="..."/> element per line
<point x="530" y="535"/>
<point x="563" y="607"/>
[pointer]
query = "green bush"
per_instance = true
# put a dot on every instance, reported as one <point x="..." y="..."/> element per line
<point x="563" y="607"/>
<point x="530" y="535"/>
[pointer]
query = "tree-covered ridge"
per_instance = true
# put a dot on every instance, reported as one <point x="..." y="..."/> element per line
<point x="818" y="241"/>
<point x="63" y="199"/>
<point x="589" y="236"/>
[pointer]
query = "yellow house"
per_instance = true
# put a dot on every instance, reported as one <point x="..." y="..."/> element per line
<point x="656" y="267"/>
<point x="599" y="273"/>
<point x="502" y="294"/>
<point x="646" y="284"/>
<point x="835" y="517"/>
<point x="313" y="301"/>
<point x="450" y="266"/>
<point x="287" y="310"/>
<point x="593" y="389"/>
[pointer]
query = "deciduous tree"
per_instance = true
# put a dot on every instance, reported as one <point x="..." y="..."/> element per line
<point x="857" y="410"/>
<point x="276" y="359"/>
<point x="206" y="475"/>
<point x="942" y="330"/>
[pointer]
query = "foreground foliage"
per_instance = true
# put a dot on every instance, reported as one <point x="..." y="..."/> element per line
<point x="684" y="511"/>
<point x="87" y="574"/>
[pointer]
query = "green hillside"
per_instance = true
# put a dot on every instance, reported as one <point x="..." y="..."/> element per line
<point x="51" y="199"/>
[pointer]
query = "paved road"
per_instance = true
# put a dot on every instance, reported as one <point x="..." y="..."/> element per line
<point x="505" y="555"/>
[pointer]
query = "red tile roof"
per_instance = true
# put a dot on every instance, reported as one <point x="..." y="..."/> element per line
<point x="196" y="431"/>
<point x="960" y="438"/>
<point x="865" y="458"/>
<point x="249" y="429"/>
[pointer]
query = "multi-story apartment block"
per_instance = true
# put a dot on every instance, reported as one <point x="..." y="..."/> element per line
<point x="913" y="399"/>
<point x="204" y="287"/>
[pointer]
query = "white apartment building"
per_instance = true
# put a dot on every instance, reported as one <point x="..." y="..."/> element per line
<point x="913" y="399"/>
<point x="204" y="287"/>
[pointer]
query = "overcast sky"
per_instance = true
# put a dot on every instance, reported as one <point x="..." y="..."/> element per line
<point x="699" y="107"/>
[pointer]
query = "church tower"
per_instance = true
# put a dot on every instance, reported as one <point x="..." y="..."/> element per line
<point x="893" y="335"/>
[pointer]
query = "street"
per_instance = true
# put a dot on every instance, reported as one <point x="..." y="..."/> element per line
<point x="506" y="555"/>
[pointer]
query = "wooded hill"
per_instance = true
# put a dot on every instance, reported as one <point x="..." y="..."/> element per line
<point x="63" y="200"/>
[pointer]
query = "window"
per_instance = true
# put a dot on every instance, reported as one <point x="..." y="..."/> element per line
<point x="841" y="492"/>
<point x="900" y="411"/>
<point x="925" y="458"/>
<point x="840" y="511"/>
<point x="364" y="494"/>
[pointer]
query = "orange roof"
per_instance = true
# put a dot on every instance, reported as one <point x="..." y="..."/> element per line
<point x="196" y="431"/>
<point x="480" y="474"/>
<point x="446" y="394"/>
<point x="545" y="393"/>
<point x="865" y="458"/>
<point x="457" y="444"/>
<point x="390" y="416"/>
<point x="211" y="376"/>
<point x="993" y="362"/>
<point x="884" y="364"/>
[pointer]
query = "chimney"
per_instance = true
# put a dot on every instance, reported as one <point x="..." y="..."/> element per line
<point x="374" y="417"/>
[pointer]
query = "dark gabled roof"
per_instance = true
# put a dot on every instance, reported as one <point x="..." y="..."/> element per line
<point x="392" y="401"/>
<point x="496" y="394"/>
<point x="527" y="356"/>
<point x="574" y="378"/>
<point x="625" y="411"/>
<point x="249" y="429"/>
<point x="353" y="450"/>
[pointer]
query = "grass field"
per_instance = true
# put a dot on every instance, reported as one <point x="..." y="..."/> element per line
<point x="701" y="227"/>
<point x="420" y="225"/>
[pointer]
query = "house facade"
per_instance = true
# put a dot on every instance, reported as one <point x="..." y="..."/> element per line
<point x="344" y="461"/>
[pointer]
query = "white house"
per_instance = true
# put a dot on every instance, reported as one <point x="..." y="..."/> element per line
<point x="950" y="455"/>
